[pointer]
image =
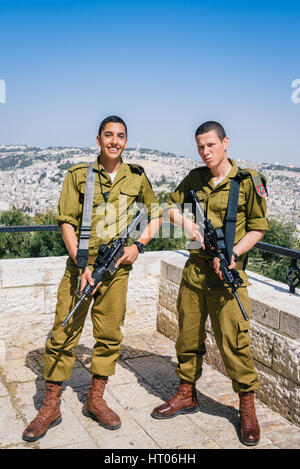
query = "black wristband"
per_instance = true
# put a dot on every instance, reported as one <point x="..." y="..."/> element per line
<point x="140" y="247"/>
<point x="236" y="257"/>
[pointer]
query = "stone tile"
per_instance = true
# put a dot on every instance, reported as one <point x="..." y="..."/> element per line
<point x="170" y="433"/>
<point x="279" y="431"/>
<point x="3" y="390"/>
<point x="131" y="396"/>
<point x="80" y="378"/>
<point x="89" y="444"/>
<point x="124" y="375"/>
<point x="224" y="430"/>
<point x="11" y="424"/>
<point x="22" y="370"/>
<point x="204" y="443"/>
<point x="289" y="443"/>
<point x="30" y="393"/>
<point x="130" y="436"/>
<point x="158" y="372"/>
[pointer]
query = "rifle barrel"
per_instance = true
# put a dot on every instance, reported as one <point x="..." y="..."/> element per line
<point x="80" y="301"/>
<point x="240" y="305"/>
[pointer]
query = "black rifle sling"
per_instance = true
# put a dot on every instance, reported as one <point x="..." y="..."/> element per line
<point x="231" y="217"/>
<point x="85" y="230"/>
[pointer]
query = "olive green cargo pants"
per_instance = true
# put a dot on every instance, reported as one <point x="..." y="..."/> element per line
<point x="107" y="313"/>
<point x="230" y="329"/>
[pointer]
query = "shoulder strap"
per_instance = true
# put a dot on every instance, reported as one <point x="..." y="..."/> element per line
<point x="85" y="230"/>
<point x="135" y="168"/>
<point x="231" y="217"/>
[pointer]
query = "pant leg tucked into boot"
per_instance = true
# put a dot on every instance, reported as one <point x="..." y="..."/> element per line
<point x="96" y="407"/>
<point x="184" y="401"/>
<point x="48" y="416"/>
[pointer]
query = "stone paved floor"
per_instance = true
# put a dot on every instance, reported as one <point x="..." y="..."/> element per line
<point x="144" y="378"/>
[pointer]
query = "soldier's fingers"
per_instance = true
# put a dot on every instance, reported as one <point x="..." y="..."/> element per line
<point x="83" y="283"/>
<point x="95" y="289"/>
<point x="120" y="261"/>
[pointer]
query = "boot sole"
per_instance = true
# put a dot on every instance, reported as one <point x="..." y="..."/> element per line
<point x="88" y="413"/>
<point x="188" y="410"/>
<point x="250" y="443"/>
<point x="35" y="438"/>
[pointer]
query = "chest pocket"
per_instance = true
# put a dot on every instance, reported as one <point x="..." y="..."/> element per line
<point x="98" y="197"/>
<point x="131" y="189"/>
<point x="225" y="198"/>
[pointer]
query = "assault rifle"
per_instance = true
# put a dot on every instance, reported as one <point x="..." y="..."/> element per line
<point x="215" y="247"/>
<point x="105" y="262"/>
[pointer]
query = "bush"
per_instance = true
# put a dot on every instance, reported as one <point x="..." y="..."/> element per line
<point x="269" y="264"/>
<point x="11" y="244"/>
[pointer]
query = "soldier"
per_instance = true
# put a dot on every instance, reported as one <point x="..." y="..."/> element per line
<point x="117" y="186"/>
<point x="203" y="291"/>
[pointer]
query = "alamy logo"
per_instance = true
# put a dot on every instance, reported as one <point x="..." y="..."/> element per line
<point x="296" y="93"/>
<point x="2" y="92"/>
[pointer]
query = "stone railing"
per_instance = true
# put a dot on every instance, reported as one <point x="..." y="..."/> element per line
<point x="28" y="290"/>
<point x="275" y="335"/>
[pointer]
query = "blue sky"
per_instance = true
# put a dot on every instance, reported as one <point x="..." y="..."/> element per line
<point x="165" y="67"/>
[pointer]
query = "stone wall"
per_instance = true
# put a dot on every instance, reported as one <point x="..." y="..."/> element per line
<point x="28" y="290"/>
<point x="275" y="334"/>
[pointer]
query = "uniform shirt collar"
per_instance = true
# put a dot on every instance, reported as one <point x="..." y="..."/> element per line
<point x="105" y="176"/>
<point x="232" y="173"/>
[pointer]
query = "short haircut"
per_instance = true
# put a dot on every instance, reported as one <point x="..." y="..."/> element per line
<point x="108" y="119"/>
<point x="211" y="125"/>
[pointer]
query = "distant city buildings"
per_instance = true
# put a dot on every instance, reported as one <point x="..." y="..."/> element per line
<point x="31" y="177"/>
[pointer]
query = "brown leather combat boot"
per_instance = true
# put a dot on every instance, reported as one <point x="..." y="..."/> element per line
<point x="48" y="416"/>
<point x="250" y="432"/>
<point x="184" y="401"/>
<point x="96" y="407"/>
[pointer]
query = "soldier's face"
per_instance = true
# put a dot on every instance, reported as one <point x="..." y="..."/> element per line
<point x="211" y="149"/>
<point x="112" y="140"/>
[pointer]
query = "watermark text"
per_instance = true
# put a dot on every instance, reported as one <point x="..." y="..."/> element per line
<point x="296" y="93"/>
<point x="2" y="92"/>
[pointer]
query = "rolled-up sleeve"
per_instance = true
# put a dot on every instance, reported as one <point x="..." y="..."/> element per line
<point x="256" y="210"/>
<point x="149" y="199"/>
<point x="68" y="204"/>
<point x="177" y="198"/>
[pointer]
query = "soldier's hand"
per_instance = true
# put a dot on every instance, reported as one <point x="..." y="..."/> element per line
<point x="86" y="277"/>
<point x="130" y="255"/>
<point x="216" y="265"/>
<point x="192" y="230"/>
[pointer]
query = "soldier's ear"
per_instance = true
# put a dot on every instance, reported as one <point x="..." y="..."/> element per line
<point x="98" y="142"/>
<point x="226" y="142"/>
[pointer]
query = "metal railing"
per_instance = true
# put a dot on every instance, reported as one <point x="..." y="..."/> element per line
<point x="292" y="272"/>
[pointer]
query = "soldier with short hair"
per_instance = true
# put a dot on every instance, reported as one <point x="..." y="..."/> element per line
<point x="203" y="291"/>
<point x="117" y="186"/>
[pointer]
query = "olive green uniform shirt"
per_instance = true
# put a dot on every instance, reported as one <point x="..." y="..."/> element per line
<point x="251" y="216"/>
<point x="111" y="218"/>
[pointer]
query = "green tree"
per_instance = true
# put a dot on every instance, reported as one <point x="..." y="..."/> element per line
<point x="269" y="264"/>
<point x="169" y="237"/>
<point x="45" y="243"/>
<point x="11" y="244"/>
